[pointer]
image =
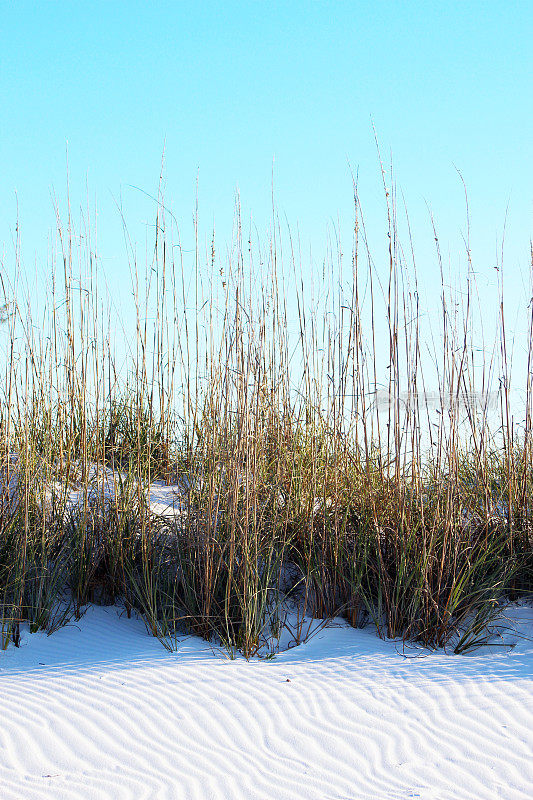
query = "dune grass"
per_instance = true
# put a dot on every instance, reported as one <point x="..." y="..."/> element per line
<point x="301" y="495"/>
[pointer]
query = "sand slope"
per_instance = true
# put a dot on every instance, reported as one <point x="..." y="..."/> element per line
<point x="101" y="710"/>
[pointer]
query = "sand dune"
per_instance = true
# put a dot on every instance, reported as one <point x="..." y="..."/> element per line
<point x="101" y="710"/>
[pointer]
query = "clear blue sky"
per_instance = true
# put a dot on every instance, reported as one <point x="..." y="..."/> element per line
<point x="230" y="86"/>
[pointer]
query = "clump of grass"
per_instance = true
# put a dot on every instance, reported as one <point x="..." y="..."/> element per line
<point x="299" y="493"/>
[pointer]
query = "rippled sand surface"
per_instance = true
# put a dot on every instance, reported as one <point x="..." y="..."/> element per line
<point x="101" y="710"/>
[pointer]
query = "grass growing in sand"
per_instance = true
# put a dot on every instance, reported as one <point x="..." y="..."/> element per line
<point x="300" y="495"/>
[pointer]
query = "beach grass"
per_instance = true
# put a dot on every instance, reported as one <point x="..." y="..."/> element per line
<point x="313" y="479"/>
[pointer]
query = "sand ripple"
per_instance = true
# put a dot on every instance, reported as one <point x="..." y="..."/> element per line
<point x="102" y="711"/>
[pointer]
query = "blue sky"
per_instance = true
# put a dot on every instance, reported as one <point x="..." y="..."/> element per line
<point x="232" y="88"/>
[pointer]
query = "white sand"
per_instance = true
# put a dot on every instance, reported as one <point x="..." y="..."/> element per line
<point x="101" y="710"/>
